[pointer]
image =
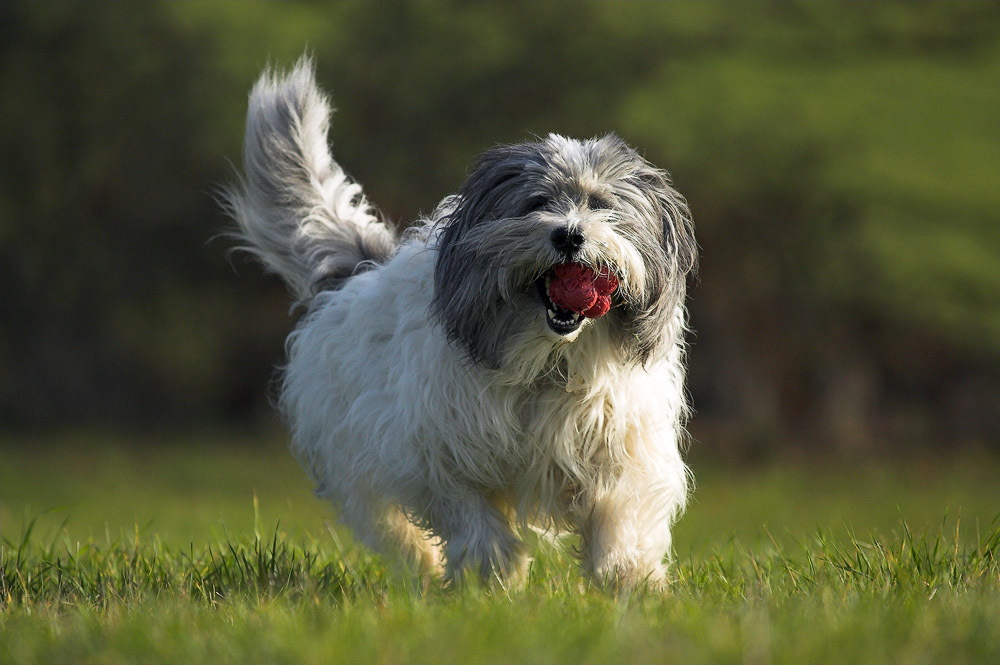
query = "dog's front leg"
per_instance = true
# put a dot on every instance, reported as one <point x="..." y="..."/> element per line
<point x="625" y="530"/>
<point x="615" y="552"/>
<point x="478" y="540"/>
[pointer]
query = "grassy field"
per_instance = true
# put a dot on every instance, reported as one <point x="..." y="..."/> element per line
<point x="212" y="549"/>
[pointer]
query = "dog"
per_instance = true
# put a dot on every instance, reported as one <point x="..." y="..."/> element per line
<point x="515" y="361"/>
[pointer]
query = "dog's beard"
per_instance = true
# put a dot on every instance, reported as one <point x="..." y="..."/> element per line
<point x="497" y="256"/>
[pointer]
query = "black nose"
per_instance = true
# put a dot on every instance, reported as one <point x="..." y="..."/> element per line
<point x="567" y="239"/>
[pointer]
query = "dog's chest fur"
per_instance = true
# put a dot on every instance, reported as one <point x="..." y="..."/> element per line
<point x="375" y="344"/>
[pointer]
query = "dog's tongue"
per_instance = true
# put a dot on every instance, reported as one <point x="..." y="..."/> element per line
<point x="579" y="289"/>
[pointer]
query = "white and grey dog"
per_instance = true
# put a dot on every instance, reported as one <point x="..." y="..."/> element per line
<point x="440" y="394"/>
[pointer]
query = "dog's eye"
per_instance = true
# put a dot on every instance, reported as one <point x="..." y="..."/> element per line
<point x="536" y="204"/>
<point x="599" y="203"/>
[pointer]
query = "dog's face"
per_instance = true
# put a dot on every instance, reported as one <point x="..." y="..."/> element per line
<point x="528" y="208"/>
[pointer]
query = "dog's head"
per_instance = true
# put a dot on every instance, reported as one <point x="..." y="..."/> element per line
<point x="528" y="208"/>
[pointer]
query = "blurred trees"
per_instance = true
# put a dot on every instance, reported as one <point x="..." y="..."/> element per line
<point x="841" y="162"/>
<point x="114" y="307"/>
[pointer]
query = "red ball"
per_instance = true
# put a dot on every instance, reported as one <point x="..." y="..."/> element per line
<point x="577" y="288"/>
<point x="605" y="283"/>
<point x="599" y="308"/>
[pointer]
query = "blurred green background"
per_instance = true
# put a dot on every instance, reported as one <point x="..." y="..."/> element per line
<point x="842" y="162"/>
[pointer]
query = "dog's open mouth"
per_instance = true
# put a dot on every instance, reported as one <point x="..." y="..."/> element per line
<point x="572" y="292"/>
<point x="561" y="321"/>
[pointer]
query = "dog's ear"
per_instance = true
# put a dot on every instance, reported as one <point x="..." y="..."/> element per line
<point x="456" y="272"/>
<point x="467" y="295"/>
<point x="675" y="217"/>
<point x="497" y="183"/>
<point x="652" y="322"/>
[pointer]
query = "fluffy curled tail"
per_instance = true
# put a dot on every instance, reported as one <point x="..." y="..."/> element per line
<point x="297" y="210"/>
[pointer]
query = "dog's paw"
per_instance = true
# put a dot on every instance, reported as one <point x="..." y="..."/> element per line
<point x="629" y="571"/>
<point x="494" y="560"/>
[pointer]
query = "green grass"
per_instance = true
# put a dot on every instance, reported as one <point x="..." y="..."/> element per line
<point x="212" y="550"/>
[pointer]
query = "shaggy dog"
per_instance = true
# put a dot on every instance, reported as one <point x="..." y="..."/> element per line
<point x="514" y="361"/>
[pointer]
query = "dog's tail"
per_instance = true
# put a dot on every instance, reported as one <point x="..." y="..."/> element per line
<point x="297" y="210"/>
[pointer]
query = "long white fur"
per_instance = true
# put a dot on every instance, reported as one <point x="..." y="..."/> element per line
<point x="423" y="452"/>
<point x="298" y="211"/>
